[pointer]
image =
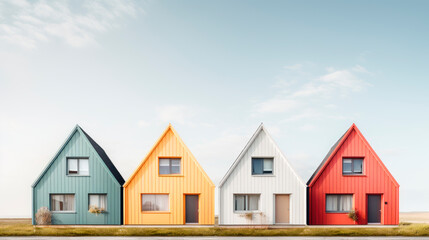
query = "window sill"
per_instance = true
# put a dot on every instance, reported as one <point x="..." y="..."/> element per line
<point x="337" y="212"/>
<point x="156" y="212"/>
<point x="63" y="212"/>
<point x="72" y="175"/>
<point x="170" y="175"/>
<point x="263" y="175"/>
<point x="244" y="212"/>
<point x="354" y="175"/>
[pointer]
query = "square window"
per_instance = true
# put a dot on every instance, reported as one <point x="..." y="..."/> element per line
<point x="78" y="166"/>
<point x="352" y="166"/>
<point x="261" y="166"/>
<point x="98" y="201"/>
<point x="169" y="166"/>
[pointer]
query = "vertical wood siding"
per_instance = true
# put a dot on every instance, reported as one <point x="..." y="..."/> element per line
<point x="283" y="181"/>
<point x="147" y="180"/>
<point x="100" y="180"/>
<point x="375" y="180"/>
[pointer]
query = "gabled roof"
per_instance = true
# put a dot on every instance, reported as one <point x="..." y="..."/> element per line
<point x="243" y="152"/>
<point x="101" y="153"/>
<point x="105" y="159"/>
<point x="169" y="128"/>
<point x="335" y="149"/>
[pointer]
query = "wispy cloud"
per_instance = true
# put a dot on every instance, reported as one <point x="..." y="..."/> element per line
<point x="305" y="93"/>
<point x="29" y="23"/>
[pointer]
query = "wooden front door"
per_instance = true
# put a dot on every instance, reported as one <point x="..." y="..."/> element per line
<point x="374" y="208"/>
<point x="282" y="205"/>
<point x="191" y="208"/>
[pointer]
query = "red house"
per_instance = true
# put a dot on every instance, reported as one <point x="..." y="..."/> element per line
<point x="352" y="178"/>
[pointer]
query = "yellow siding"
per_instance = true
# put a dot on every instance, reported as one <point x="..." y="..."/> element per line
<point x="146" y="179"/>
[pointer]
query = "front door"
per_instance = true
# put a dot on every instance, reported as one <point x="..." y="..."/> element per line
<point x="191" y="208"/>
<point x="374" y="208"/>
<point x="282" y="206"/>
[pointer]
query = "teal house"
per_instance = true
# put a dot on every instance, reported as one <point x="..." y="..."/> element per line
<point x="80" y="185"/>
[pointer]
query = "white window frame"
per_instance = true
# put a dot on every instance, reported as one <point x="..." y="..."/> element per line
<point x="79" y="159"/>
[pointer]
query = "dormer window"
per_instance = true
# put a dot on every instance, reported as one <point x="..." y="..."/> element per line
<point x="352" y="166"/>
<point x="78" y="166"/>
<point x="262" y="166"/>
<point x="169" y="166"/>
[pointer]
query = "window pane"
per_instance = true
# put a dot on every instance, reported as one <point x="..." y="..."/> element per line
<point x="83" y="167"/>
<point x="72" y="166"/>
<point x="268" y="165"/>
<point x="257" y="166"/>
<point x="57" y="202"/>
<point x="240" y="202"/>
<point x="94" y="200"/>
<point x="253" y="202"/>
<point x="345" y="203"/>
<point x="357" y="165"/>
<point x="331" y="203"/>
<point x="162" y="202"/>
<point x="347" y="165"/>
<point x="164" y="166"/>
<point x="175" y="166"/>
<point x="103" y="202"/>
<point x="69" y="202"/>
<point x="148" y="202"/>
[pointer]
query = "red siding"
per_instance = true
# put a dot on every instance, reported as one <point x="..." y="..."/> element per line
<point x="375" y="180"/>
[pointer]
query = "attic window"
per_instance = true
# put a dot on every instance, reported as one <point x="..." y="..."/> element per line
<point x="78" y="166"/>
<point x="262" y="166"/>
<point x="169" y="166"/>
<point x="352" y="166"/>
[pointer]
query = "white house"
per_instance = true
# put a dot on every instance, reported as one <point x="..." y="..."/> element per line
<point x="261" y="187"/>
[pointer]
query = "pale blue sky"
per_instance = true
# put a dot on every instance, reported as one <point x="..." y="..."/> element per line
<point x="215" y="70"/>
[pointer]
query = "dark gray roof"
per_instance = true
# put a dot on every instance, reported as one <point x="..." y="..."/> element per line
<point x="326" y="158"/>
<point x="105" y="159"/>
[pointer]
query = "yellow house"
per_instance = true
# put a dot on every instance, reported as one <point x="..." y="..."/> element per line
<point x="169" y="186"/>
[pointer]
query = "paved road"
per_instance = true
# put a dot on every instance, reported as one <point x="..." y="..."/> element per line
<point x="212" y="238"/>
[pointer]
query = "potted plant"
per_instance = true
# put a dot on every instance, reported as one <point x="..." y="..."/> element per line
<point x="95" y="210"/>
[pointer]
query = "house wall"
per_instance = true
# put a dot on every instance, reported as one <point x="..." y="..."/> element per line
<point x="100" y="180"/>
<point x="284" y="180"/>
<point x="147" y="180"/>
<point x="375" y="180"/>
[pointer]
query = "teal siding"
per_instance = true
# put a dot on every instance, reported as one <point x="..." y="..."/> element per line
<point x="100" y="180"/>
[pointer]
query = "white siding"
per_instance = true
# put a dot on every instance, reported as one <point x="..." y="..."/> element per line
<point x="283" y="181"/>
